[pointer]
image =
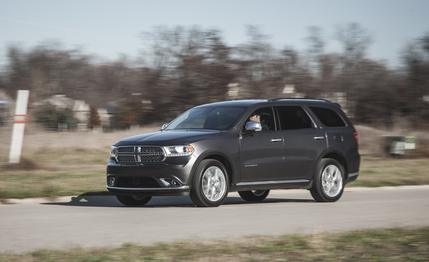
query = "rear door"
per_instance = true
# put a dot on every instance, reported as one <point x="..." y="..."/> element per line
<point x="303" y="142"/>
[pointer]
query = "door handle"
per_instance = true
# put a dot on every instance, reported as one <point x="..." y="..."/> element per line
<point x="318" y="137"/>
<point x="276" y="139"/>
<point x="338" y="139"/>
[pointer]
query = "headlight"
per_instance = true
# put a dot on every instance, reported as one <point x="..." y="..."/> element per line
<point x="114" y="152"/>
<point x="172" y="151"/>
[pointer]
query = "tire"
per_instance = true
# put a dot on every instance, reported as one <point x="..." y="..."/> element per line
<point x="133" y="200"/>
<point x="254" y="195"/>
<point x="210" y="184"/>
<point x="332" y="188"/>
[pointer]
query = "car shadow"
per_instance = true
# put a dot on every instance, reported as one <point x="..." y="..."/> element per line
<point x="106" y="199"/>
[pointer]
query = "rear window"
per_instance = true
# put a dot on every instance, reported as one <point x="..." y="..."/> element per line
<point x="328" y="117"/>
<point x="293" y="117"/>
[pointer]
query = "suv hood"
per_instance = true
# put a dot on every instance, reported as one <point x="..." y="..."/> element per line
<point x="168" y="137"/>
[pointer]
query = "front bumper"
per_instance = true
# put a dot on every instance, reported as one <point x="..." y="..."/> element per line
<point x="150" y="191"/>
<point x="165" y="178"/>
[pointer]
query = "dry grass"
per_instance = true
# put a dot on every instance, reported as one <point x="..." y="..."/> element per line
<point x="57" y="173"/>
<point x="370" y="140"/>
<point x="36" y="140"/>
<point x="377" y="171"/>
<point x="369" y="245"/>
<point x="25" y="164"/>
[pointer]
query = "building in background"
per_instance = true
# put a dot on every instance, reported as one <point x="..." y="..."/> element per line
<point x="81" y="112"/>
<point x="63" y="112"/>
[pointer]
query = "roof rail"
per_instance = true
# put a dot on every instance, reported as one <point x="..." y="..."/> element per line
<point x="291" y="98"/>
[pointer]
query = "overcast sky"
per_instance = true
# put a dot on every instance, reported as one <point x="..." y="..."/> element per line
<point x="108" y="28"/>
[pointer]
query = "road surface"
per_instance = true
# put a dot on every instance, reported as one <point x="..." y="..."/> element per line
<point x="96" y="221"/>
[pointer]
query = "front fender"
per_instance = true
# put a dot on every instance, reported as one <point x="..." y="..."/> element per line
<point x="225" y="151"/>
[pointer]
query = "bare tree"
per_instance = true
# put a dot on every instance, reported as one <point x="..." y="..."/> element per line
<point x="355" y="41"/>
<point x="416" y="60"/>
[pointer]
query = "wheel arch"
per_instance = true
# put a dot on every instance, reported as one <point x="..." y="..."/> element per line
<point x="219" y="157"/>
<point x="337" y="156"/>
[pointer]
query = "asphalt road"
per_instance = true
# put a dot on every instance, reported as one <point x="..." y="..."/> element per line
<point x="95" y="221"/>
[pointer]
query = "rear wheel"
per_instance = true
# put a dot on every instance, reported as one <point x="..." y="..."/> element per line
<point x="210" y="184"/>
<point x="133" y="200"/>
<point x="328" y="184"/>
<point x="254" y="195"/>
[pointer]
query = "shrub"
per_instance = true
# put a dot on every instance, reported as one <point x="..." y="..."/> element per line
<point x="53" y="118"/>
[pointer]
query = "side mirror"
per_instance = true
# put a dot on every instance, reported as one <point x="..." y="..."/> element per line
<point x="164" y="126"/>
<point x="253" y="126"/>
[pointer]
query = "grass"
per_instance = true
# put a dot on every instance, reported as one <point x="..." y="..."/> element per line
<point x="369" y="245"/>
<point x="57" y="173"/>
<point x="392" y="172"/>
<point x="54" y="172"/>
<point x="24" y="184"/>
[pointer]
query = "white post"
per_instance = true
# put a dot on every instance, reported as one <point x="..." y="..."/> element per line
<point x="18" y="126"/>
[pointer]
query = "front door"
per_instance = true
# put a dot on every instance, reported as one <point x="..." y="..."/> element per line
<point x="261" y="152"/>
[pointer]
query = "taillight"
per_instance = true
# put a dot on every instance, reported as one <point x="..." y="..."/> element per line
<point x="356" y="137"/>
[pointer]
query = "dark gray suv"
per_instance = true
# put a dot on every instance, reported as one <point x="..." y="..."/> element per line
<point x="249" y="146"/>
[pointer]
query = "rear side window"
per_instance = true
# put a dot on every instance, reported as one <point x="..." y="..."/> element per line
<point x="328" y="117"/>
<point x="293" y="117"/>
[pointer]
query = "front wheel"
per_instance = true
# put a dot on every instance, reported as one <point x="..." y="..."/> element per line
<point x="328" y="184"/>
<point x="133" y="200"/>
<point x="210" y="184"/>
<point x="254" y="195"/>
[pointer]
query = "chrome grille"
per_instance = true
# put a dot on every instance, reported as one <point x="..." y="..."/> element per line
<point x="136" y="155"/>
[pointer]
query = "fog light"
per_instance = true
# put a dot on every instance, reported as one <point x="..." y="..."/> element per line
<point x="169" y="182"/>
<point x="111" y="181"/>
<point x="165" y="181"/>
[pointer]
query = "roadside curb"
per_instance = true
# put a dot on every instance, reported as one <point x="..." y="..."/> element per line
<point x="39" y="200"/>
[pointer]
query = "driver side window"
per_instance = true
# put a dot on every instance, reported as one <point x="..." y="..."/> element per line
<point x="265" y="117"/>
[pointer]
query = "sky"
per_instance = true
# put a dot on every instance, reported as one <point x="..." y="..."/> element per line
<point x="108" y="28"/>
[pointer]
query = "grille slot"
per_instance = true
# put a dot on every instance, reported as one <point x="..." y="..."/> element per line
<point x="136" y="182"/>
<point x="126" y="159"/>
<point x="137" y="155"/>
<point x="126" y="149"/>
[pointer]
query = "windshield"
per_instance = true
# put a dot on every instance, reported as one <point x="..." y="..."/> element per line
<point x="208" y="117"/>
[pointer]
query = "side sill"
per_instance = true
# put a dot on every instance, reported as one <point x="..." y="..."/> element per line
<point x="276" y="184"/>
<point x="295" y="181"/>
